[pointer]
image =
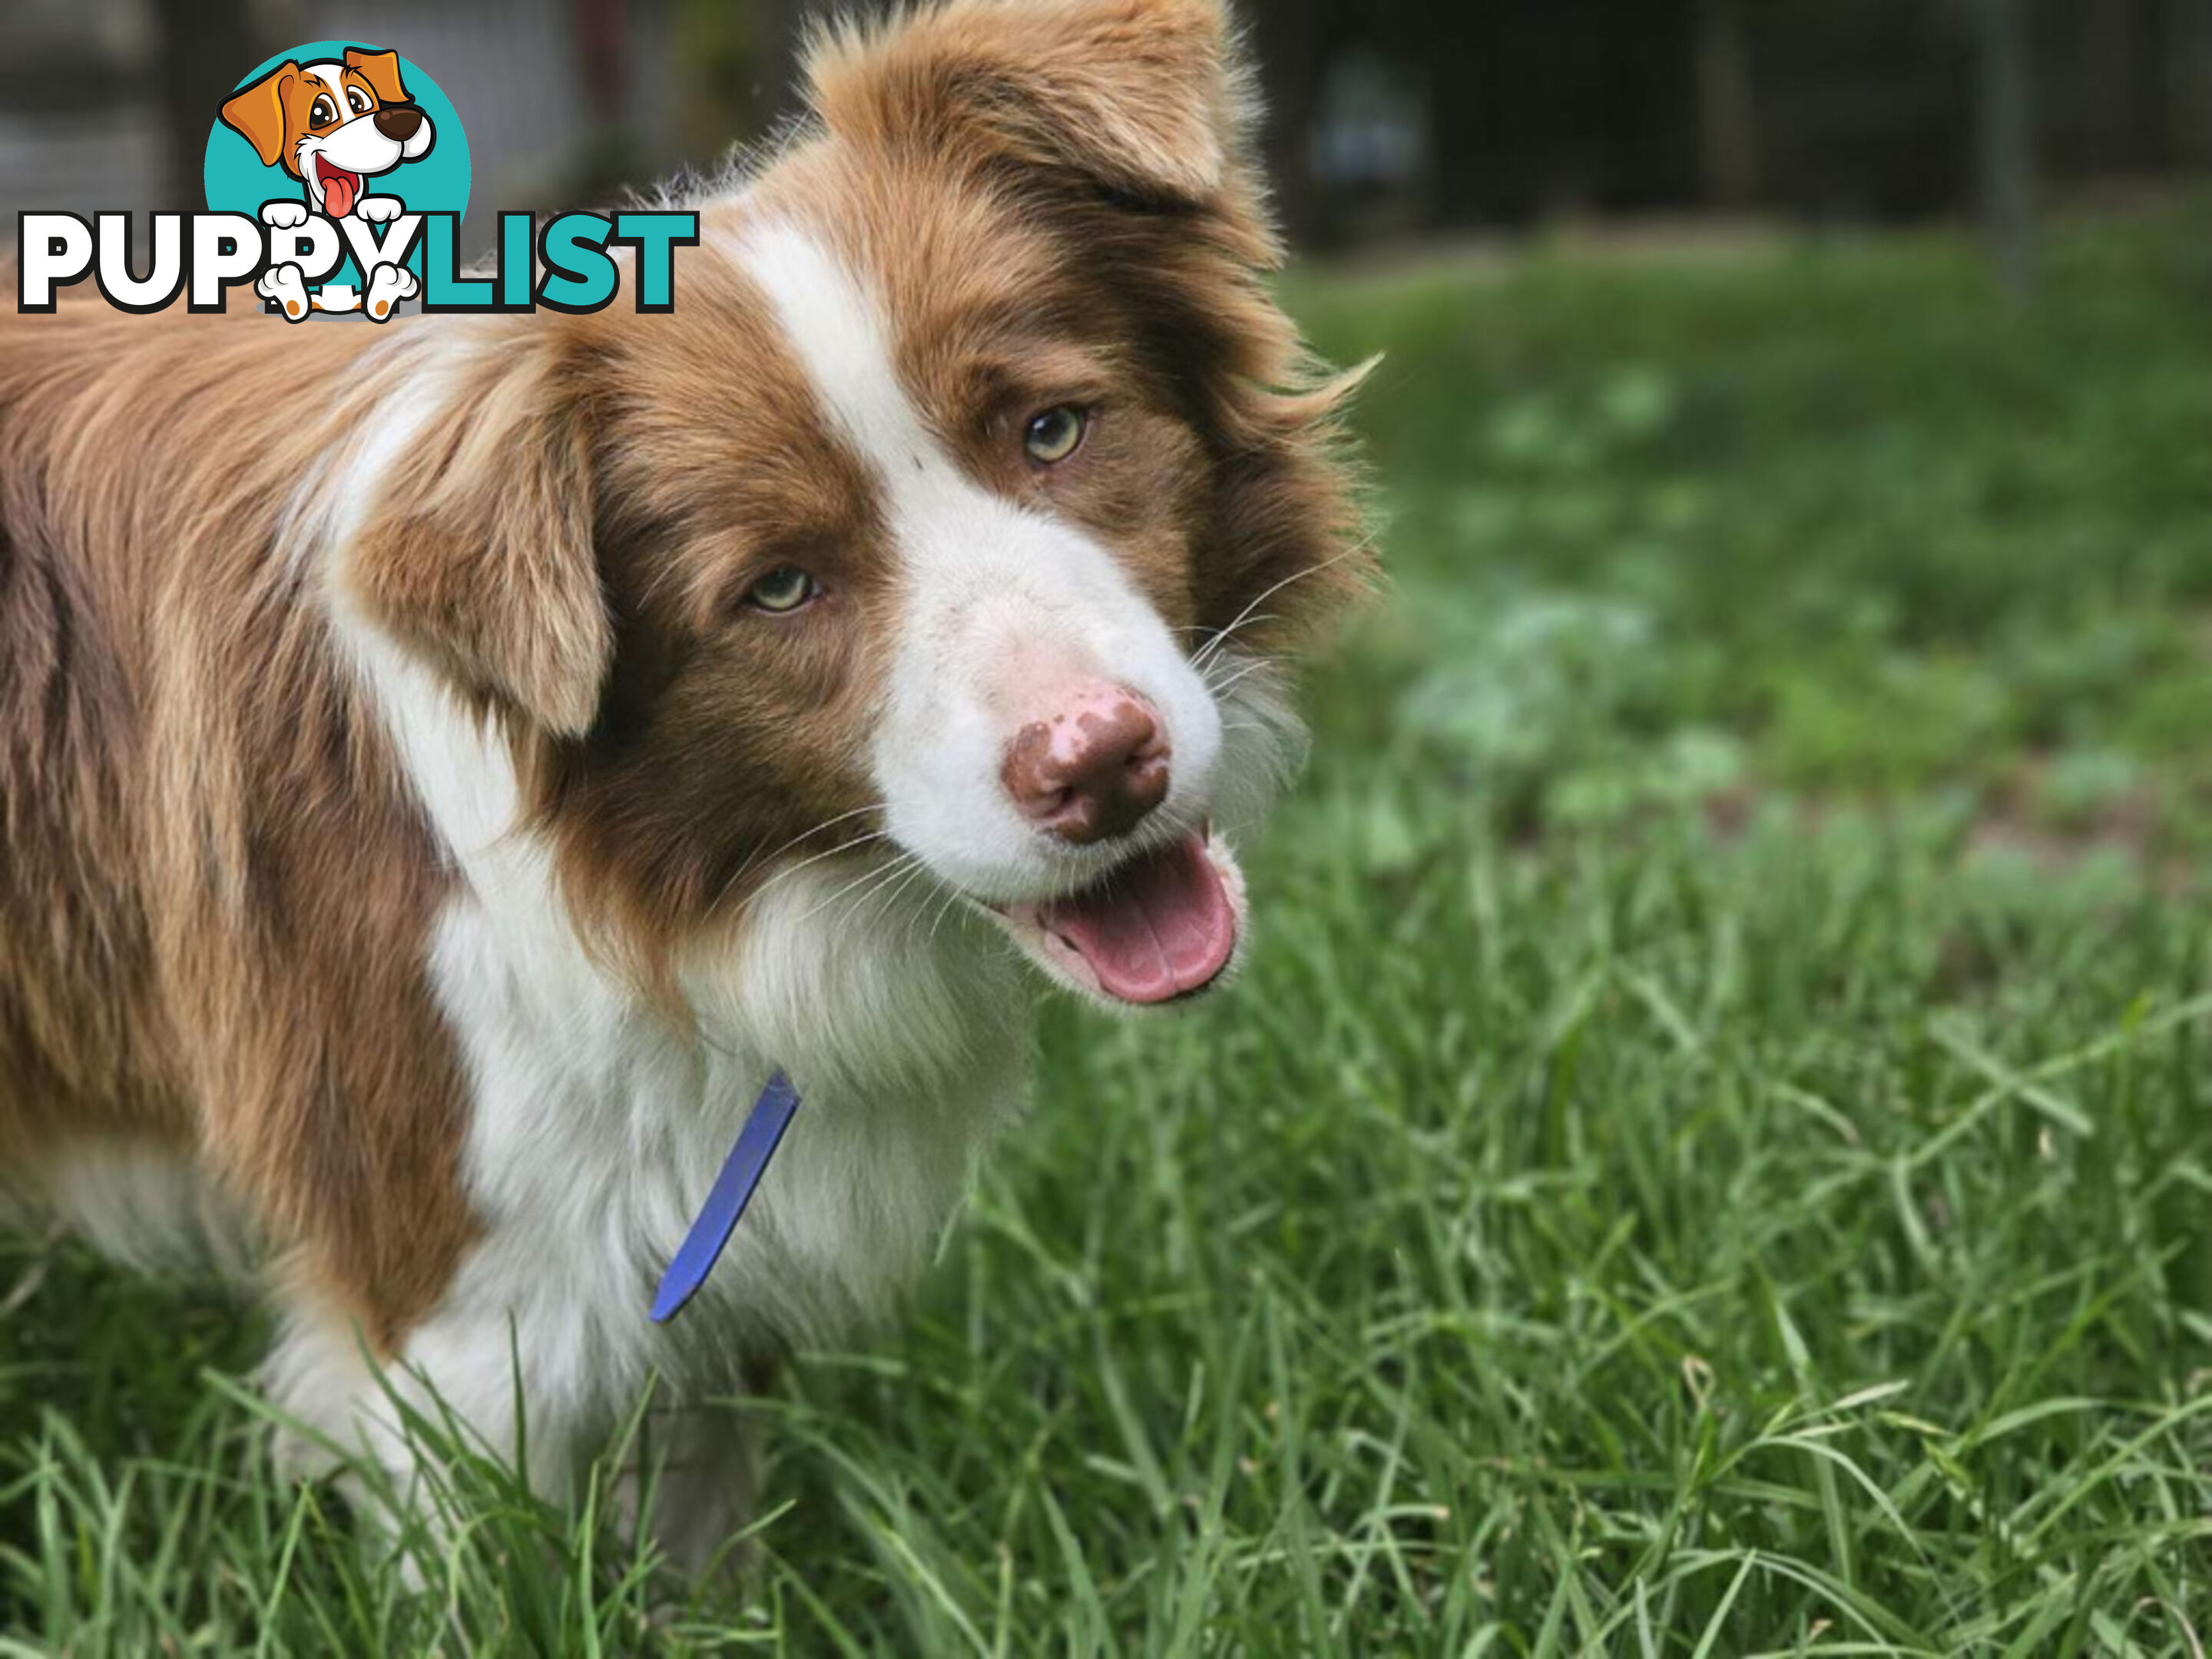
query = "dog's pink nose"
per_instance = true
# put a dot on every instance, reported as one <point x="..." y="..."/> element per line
<point x="1092" y="770"/>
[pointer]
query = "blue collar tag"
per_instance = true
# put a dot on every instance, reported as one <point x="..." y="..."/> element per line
<point x="734" y="1189"/>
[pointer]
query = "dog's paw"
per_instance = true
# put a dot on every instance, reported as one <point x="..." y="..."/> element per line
<point x="387" y="286"/>
<point x="380" y="210"/>
<point x="284" y="215"/>
<point x="285" y="285"/>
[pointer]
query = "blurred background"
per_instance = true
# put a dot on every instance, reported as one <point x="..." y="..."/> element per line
<point x="1388" y="119"/>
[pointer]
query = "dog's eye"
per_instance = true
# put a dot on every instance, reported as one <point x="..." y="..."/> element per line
<point x="785" y="589"/>
<point x="1053" y="436"/>
<point x="322" y="111"/>
<point x="358" y="99"/>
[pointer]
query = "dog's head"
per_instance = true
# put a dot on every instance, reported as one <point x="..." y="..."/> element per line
<point x="331" y="125"/>
<point x="951" y="530"/>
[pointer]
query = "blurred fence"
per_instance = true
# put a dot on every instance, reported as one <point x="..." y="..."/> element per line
<point x="1524" y="109"/>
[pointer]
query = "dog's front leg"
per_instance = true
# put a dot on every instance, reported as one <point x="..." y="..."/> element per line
<point x="692" y="1480"/>
<point x="395" y="1426"/>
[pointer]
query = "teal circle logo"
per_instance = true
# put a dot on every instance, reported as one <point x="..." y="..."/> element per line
<point x="345" y="129"/>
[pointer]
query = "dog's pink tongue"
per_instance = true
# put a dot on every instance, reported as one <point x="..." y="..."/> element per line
<point x="337" y="194"/>
<point x="1154" y="929"/>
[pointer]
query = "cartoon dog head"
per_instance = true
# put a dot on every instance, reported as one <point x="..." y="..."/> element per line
<point x="332" y="124"/>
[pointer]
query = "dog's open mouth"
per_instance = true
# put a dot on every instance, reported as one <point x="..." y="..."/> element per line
<point x="1163" y="925"/>
<point x="340" y="187"/>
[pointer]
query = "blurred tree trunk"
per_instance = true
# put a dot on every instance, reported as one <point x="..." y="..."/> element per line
<point x="782" y="31"/>
<point x="1728" y="123"/>
<point x="2007" y="144"/>
<point x="1287" y="37"/>
<point x="206" y="45"/>
<point x="606" y="159"/>
<point x="2188" y="60"/>
<point x="601" y="44"/>
<point x="1472" y="114"/>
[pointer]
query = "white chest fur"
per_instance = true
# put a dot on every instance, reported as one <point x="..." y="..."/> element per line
<point x="598" y="1128"/>
<point x="597" y="1125"/>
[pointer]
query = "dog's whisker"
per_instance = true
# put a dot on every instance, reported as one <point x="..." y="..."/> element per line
<point x="754" y="861"/>
<point x="1231" y="666"/>
<point x="814" y="910"/>
<point x="876" y="876"/>
<point x="853" y="845"/>
<point x="953" y="896"/>
<point x="1223" y="687"/>
<point x="885" y="901"/>
<point x="1216" y="649"/>
<point x="912" y="920"/>
<point x="839" y="818"/>
<point x="881" y="896"/>
<point x="1364" y="544"/>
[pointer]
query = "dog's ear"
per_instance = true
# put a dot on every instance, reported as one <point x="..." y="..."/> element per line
<point x="1141" y="96"/>
<point x="478" y="557"/>
<point x="381" y="71"/>
<point x="257" y="112"/>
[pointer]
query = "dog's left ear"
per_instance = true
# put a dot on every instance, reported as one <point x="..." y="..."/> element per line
<point x="256" y="113"/>
<point x="1140" y="95"/>
<point x="381" y="71"/>
<point x="478" y="557"/>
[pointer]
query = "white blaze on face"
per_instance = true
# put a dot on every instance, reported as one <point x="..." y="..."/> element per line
<point x="1005" y="607"/>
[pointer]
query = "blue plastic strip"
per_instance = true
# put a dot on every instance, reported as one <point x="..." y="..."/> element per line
<point x="734" y="1189"/>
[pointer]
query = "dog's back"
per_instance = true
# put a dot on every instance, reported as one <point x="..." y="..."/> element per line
<point x="77" y="1053"/>
<point x="213" y="890"/>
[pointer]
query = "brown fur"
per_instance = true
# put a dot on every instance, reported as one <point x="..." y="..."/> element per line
<point x="215" y="893"/>
<point x="723" y="734"/>
<point x="1104" y="151"/>
<point x="483" y="560"/>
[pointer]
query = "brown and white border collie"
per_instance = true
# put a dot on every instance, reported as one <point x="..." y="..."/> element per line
<point x="443" y="770"/>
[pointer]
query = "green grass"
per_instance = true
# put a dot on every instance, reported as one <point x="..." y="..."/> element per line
<point x="1713" y="1154"/>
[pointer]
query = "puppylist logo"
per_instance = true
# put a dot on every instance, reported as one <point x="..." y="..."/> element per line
<point x="336" y="174"/>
